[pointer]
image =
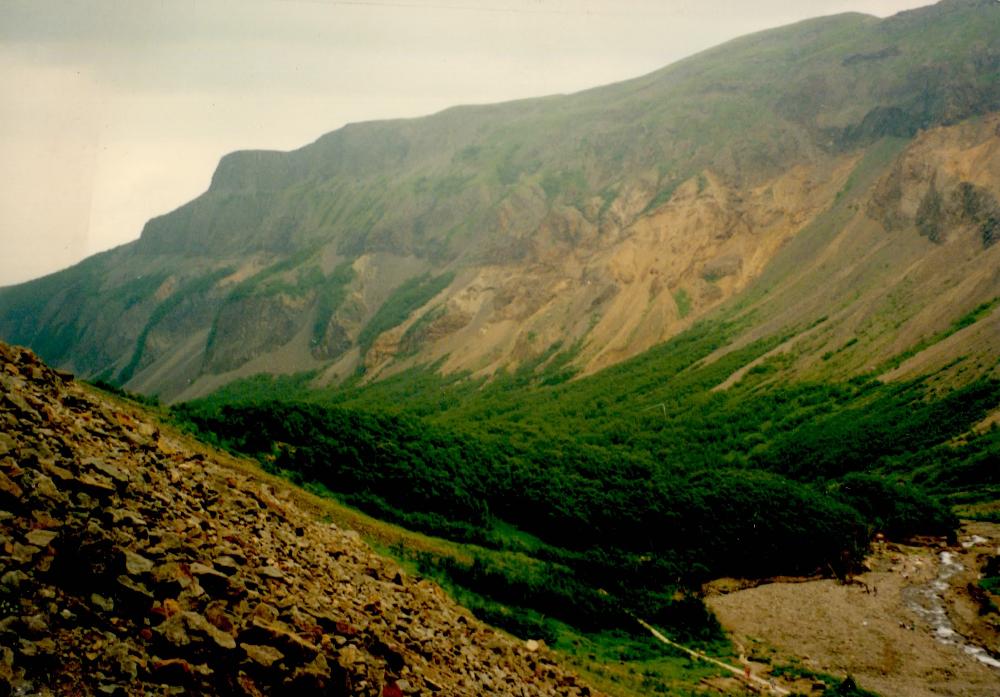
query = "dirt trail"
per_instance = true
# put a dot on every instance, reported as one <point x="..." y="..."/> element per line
<point x="875" y="634"/>
<point x="757" y="683"/>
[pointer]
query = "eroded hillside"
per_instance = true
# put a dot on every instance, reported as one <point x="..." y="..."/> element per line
<point x="905" y="277"/>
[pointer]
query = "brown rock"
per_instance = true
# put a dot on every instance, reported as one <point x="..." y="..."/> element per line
<point x="174" y="630"/>
<point x="41" y="538"/>
<point x="248" y="686"/>
<point x="123" y="515"/>
<point x="46" y="646"/>
<point x="349" y="655"/>
<point x="54" y="470"/>
<point x="271" y="572"/>
<point x="216" y="614"/>
<point x="96" y="484"/>
<point x="106" y="604"/>
<point x="263" y="655"/>
<point x="135" y="587"/>
<point x="226" y="564"/>
<point x="280" y="634"/>
<point x="178" y="670"/>
<point x="10" y="466"/>
<point x="35" y="625"/>
<point x="23" y="553"/>
<point x="213" y="581"/>
<point x="13" y="579"/>
<point x="317" y="676"/>
<point x="107" y="469"/>
<point x="265" y="612"/>
<point x="198" y="623"/>
<point x="172" y="575"/>
<point x="9" y="487"/>
<point x="44" y="486"/>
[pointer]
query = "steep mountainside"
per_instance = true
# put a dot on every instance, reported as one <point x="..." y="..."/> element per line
<point x="845" y="167"/>
<point x="133" y="565"/>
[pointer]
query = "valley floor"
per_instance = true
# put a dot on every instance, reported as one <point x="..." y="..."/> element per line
<point x="887" y="631"/>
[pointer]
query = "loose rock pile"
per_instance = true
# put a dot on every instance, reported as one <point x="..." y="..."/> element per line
<point x="132" y="566"/>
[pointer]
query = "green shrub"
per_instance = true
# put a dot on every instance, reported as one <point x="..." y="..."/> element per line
<point x="895" y="508"/>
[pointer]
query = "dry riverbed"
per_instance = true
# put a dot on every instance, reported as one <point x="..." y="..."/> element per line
<point x="911" y="630"/>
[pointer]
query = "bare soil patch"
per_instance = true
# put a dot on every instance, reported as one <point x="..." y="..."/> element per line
<point x="873" y="633"/>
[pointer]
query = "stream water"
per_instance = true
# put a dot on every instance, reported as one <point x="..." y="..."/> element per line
<point x="927" y="601"/>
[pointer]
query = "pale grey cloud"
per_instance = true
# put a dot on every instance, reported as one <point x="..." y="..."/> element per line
<point x="117" y="110"/>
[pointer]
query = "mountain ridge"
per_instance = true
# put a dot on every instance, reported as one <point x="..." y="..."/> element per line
<point x="533" y="209"/>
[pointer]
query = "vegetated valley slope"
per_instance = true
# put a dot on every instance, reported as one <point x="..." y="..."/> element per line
<point x="135" y="565"/>
<point x="845" y="168"/>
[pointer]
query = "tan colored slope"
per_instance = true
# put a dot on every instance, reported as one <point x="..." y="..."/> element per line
<point x="709" y="243"/>
<point x="884" y="288"/>
<point x="618" y="291"/>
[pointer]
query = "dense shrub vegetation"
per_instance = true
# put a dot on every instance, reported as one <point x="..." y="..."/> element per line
<point x="632" y="486"/>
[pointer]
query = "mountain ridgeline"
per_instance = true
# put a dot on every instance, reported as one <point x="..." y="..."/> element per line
<point x="844" y="167"/>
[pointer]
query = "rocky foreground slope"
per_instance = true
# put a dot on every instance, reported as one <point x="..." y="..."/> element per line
<point x="130" y="564"/>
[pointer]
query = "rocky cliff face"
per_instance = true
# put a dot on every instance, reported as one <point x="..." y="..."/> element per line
<point x="134" y="565"/>
<point x="594" y="224"/>
<point x="901" y="292"/>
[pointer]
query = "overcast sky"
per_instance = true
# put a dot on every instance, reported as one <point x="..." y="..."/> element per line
<point x="112" y="112"/>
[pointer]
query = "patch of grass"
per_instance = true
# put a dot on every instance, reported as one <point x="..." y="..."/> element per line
<point x="193" y="290"/>
<point x="569" y="183"/>
<point x="608" y="197"/>
<point x="663" y="195"/>
<point x="622" y="662"/>
<point x="449" y="185"/>
<point x="415" y="334"/>
<point x="683" y="302"/>
<point x="271" y="280"/>
<point x="409" y="296"/>
<point x="635" y="665"/>
<point x="330" y="296"/>
<point x="985" y="517"/>
<point x="969" y="318"/>
<point x="835" y="687"/>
